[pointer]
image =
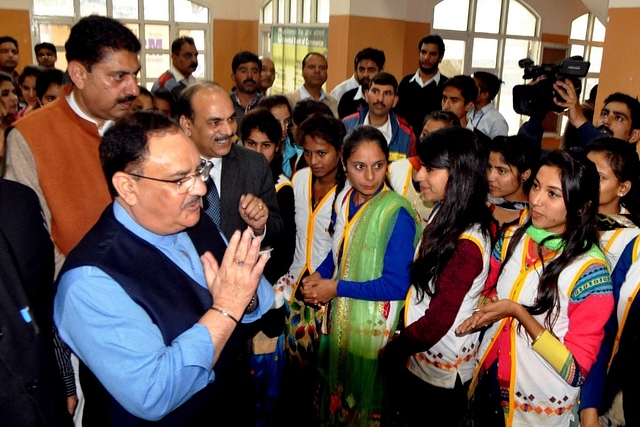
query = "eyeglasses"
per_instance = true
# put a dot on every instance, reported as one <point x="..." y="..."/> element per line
<point x="187" y="183"/>
<point x="46" y="55"/>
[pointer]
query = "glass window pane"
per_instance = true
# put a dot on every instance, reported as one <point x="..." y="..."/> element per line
<point x="125" y="9"/>
<point x="187" y="11"/>
<point x="589" y="83"/>
<point x="451" y="15"/>
<point x="157" y="37"/>
<point x="595" y="57"/>
<point x="306" y="11"/>
<point x="599" y="31"/>
<point x="267" y="17"/>
<point x="484" y="53"/>
<point x="281" y="13"/>
<point x="156" y="64"/>
<point x="198" y="38"/>
<point x="577" y="49"/>
<point x="199" y="73"/>
<point x="293" y="12"/>
<point x="53" y="7"/>
<point x="56" y="34"/>
<point x="520" y="22"/>
<point x="93" y="7"/>
<point x="134" y="29"/>
<point x="453" y="62"/>
<point x="156" y="10"/>
<point x="323" y="11"/>
<point x="579" y="27"/>
<point x="514" y="51"/>
<point x="488" y="16"/>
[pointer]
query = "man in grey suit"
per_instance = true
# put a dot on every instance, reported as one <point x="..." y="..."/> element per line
<point x="244" y="192"/>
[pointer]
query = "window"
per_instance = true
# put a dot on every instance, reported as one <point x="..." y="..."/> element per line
<point x="289" y="29"/>
<point x="587" y="40"/>
<point x="155" y="22"/>
<point x="492" y="36"/>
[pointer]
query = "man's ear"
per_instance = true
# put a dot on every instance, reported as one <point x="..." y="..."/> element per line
<point x="126" y="187"/>
<point x="185" y="124"/>
<point x="78" y="73"/>
<point x="468" y="106"/>
<point x="395" y="101"/>
<point x="635" y="135"/>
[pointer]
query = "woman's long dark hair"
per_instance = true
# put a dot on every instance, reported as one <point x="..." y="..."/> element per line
<point x="580" y="191"/>
<point x="457" y="150"/>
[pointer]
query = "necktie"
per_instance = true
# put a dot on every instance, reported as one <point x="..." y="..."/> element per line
<point x="212" y="199"/>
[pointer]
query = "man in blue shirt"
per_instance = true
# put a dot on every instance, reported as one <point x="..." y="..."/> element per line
<point x="142" y="300"/>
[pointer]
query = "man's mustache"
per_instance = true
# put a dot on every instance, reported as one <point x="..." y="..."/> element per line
<point x="193" y="65"/>
<point x="605" y="130"/>
<point x="249" y="80"/>
<point x="124" y="99"/>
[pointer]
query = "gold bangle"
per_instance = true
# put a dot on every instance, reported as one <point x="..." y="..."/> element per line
<point x="535" y="340"/>
<point x="224" y="313"/>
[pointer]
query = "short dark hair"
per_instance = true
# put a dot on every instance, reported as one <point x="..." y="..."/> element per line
<point x="519" y="152"/>
<point x="93" y="35"/>
<point x="433" y="39"/>
<point x="124" y="146"/>
<point x="623" y="160"/>
<point x="386" y="79"/>
<point x="29" y="71"/>
<point x="176" y="45"/>
<point x="304" y="60"/>
<point x="47" y="78"/>
<point x="443" y="116"/>
<point x="488" y="82"/>
<point x="631" y="103"/>
<point x="5" y="39"/>
<point x="164" y="94"/>
<point x="307" y="107"/>
<point x="45" y="45"/>
<point x="466" y="85"/>
<point x="261" y="119"/>
<point x="6" y="77"/>
<point x="183" y="103"/>
<point x="243" y="57"/>
<point x="372" y="54"/>
<point x="272" y="101"/>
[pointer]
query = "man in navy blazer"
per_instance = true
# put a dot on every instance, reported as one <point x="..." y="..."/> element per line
<point x="32" y="391"/>
<point x="242" y="177"/>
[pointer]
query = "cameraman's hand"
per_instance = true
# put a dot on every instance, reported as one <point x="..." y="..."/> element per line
<point x="566" y="90"/>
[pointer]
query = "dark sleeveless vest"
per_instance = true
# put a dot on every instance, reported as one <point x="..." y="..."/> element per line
<point x="174" y="302"/>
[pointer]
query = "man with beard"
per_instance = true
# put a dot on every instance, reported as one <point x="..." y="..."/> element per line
<point x="267" y="74"/>
<point x="246" y="68"/>
<point x="381" y="98"/>
<point x="241" y="192"/>
<point x="367" y="63"/>
<point x="9" y="55"/>
<point x="421" y="93"/>
<point x="184" y="60"/>
<point x="619" y="118"/>
<point x="314" y="73"/>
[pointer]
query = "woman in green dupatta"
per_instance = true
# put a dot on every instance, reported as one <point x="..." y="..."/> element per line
<point x="363" y="280"/>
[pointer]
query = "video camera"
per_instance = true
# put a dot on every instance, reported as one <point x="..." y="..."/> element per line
<point x="537" y="99"/>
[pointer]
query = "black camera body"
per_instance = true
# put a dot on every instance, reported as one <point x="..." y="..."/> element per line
<point x="537" y="100"/>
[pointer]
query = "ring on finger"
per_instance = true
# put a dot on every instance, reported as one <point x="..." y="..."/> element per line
<point x="260" y="206"/>
<point x="239" y="262"/>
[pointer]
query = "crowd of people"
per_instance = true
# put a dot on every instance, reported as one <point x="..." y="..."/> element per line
<point x="386" y="254"/>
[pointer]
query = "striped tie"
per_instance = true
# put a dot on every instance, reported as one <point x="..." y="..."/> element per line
<point x="212" y="199"/>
